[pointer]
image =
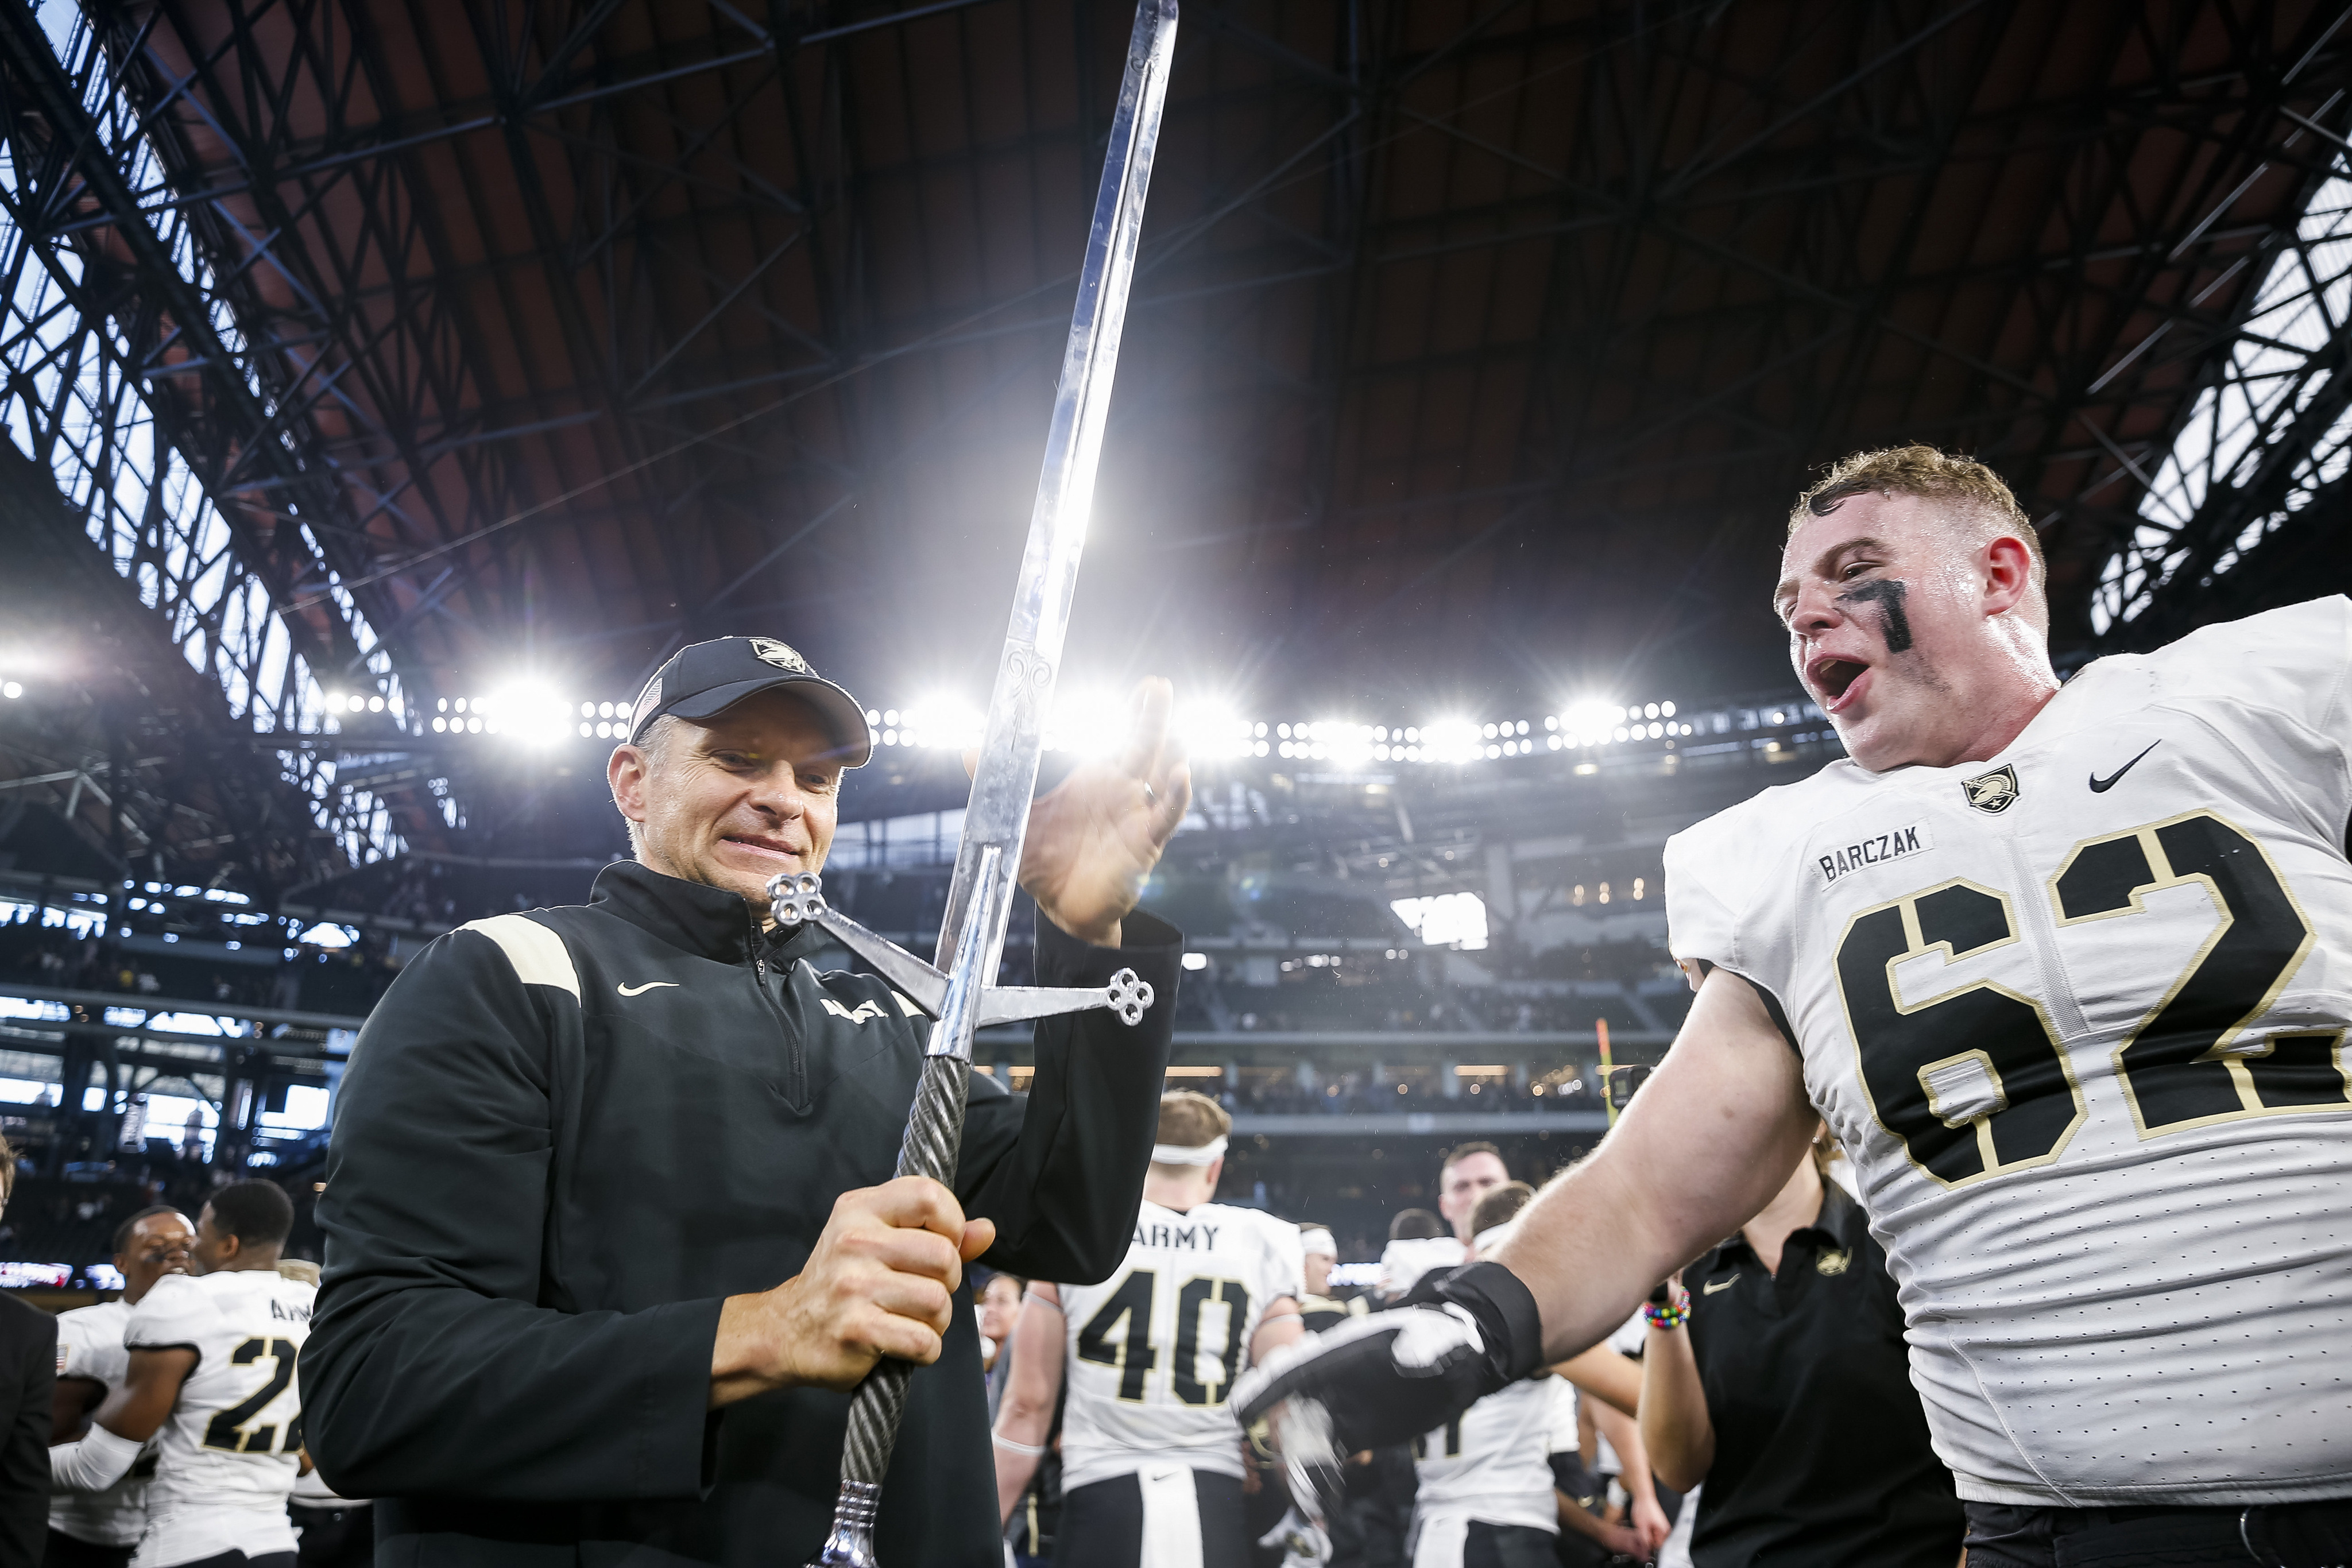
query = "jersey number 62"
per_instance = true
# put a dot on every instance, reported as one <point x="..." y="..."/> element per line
<point x="1975" y="1081"/>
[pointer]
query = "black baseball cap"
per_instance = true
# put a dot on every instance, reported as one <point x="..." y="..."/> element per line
<point x="704" y="680"/>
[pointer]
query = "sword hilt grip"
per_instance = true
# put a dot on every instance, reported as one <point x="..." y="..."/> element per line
<point x="934" y="1139"/>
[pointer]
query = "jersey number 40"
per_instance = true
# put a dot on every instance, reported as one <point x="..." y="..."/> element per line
<point x="1975" y="1081"/>
<point x="227" y="1430"/>
<point x="1119" y="1335"/>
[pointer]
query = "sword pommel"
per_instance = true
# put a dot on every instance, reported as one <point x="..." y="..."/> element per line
<point x="1129" y="997"/>
<point x="795" y="896"/>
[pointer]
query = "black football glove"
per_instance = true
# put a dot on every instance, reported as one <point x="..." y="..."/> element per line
<point x="1380" y="1380"/>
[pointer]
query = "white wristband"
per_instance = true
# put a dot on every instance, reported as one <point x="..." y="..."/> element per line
<point x="94" y="1463"/>
<point x="1009" y="1445"/>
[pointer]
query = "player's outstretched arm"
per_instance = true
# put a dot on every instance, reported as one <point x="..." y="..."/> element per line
<point x="1709" y="1141"/>
<point x="1615" y="1380"/>
<point x="70" y="1405"/>
<point x="133" y="1414"/>
<point x="1281" y="1325"/>
<point x="1024" y="1418"/>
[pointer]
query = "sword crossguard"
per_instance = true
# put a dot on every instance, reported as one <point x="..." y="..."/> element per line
<point x="1130" y="994"/>
<point x="794" y="897"/>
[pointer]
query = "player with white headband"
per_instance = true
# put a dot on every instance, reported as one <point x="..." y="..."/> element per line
<point x="1151" y="1451"/>
<point x="1317" y="1309"/>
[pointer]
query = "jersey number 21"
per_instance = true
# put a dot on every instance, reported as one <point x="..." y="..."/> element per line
<point x="226" y="1429"/>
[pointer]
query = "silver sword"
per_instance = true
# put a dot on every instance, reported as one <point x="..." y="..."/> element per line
<point x="955" y="987"/>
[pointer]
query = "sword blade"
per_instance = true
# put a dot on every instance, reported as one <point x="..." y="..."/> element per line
<point x="988" y="862"/>
<point x="1006" y="776"/>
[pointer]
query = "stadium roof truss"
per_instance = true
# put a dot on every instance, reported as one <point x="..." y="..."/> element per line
<point x="2268" y="436"/>
<point x="386" y="342"/>
<point x="131" y="378"/>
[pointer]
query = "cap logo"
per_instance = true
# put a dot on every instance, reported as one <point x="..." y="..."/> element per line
<point x="649" y="702"/>
<point x="780" y="655"/>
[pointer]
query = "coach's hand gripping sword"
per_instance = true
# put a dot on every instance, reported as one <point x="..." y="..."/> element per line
<point x="988" y="862"/>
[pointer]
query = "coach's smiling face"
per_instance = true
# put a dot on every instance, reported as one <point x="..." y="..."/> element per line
<point x="732" y="800"/>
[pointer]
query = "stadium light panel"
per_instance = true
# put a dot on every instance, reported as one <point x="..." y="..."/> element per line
<point x="1212" y="730"/>
<point x="1456" y="920"/>
<point x="1591" y="716"/>
<point x="1086" y="722"/>
<point x="527" y="712"/>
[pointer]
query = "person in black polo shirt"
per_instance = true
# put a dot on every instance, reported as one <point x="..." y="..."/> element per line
<point x="1781" y="1380"/>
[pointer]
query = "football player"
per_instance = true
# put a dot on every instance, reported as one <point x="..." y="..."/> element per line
<point x="1470" y="1171"/>
<point x="2066" y="970"/>
<point x="212" y="1370"/>
<point x="1316" y="1310"/>
<point x="1484" y="1481"/>
<point x="97" y="1529"/>
<point x="1150" y="1447"/>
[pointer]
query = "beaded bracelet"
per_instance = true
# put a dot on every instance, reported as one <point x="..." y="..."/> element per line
<point x="1672" y="1315"/>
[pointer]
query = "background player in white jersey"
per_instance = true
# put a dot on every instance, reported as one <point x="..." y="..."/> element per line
<point x="97" y="1529"/>
<point x="212" y="1370"/>
<point x="1484" y="1488"/>
<point x="1151" y="1457"/>
<point x="2067" y="972"/>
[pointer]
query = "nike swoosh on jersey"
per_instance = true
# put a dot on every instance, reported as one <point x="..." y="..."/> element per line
<point x="2101" y="786"/>
<point x="1712" y="1286"/>
<point x="641" y="990"/>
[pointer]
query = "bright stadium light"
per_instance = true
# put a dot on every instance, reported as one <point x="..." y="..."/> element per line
<point x="1456" y="920"/>
<point x="1086" y="722"/>
<point x="1212" y="729"/>
<point x="1591" y="718"/>
<point x="949" y="722"/>
<point x="1453" y="740"/>
<point x="528" y="713"/>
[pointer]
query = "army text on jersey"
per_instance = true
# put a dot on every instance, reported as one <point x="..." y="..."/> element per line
<point x="1153" y="1351"/>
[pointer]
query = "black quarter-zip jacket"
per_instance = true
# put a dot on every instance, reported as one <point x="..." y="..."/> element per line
<point x="567" y="1135"/>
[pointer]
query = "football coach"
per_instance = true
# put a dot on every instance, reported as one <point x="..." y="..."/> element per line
<point x="611" y="1225"/>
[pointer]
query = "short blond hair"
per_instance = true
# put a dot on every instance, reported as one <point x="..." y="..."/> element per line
<point x="1189" y="1119"/>
<point x="1965" y="486"/>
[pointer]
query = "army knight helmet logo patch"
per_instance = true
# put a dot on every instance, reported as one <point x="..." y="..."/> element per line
<point x="1995" y="791"/>
<point x="780" y="655"/>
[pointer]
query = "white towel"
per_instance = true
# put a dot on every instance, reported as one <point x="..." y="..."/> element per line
<point x="1172" y="1516"/>
<point x="1675" y="1552"/>
<point x="1439" y="1538"/>
<point x="1404" y="1262"/>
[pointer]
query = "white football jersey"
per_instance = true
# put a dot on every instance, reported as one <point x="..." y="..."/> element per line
<point x="2077" y="1013"/>
<point x="1493" y="1462"/>
<point x="232" y="1441"/>
<point x="89" y="1344"/>
<point x="1154" y="1350"/>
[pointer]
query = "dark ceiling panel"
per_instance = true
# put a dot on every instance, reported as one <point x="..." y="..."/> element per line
<point x="1477" y="348"/>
